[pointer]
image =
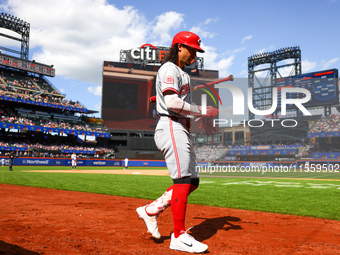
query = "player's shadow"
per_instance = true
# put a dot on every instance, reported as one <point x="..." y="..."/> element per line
<point x="11" y="249"/>
<point x="209" y="227"/>
<point x="162" y="239"/>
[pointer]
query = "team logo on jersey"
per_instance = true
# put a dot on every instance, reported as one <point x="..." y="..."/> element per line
<point x="169" y="80"/>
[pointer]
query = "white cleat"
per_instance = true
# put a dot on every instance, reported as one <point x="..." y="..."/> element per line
<point x="150" y="222"/>
<point x="186" y="242"/>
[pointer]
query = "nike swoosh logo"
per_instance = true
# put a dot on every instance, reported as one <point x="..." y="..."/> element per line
<point x="190" y="245"/>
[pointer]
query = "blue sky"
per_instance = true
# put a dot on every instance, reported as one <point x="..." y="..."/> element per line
<point x="77" y="36"/>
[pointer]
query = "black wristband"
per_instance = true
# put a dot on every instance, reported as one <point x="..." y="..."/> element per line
<point x="182" y="107"/>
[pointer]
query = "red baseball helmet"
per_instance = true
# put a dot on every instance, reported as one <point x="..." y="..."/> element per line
<point x="188" y="38"/>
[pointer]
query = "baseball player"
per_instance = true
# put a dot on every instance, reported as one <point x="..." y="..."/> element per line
<point x="126" y="164"/>
<point x="172" y="137"/>
<point x="11" y="159"/>
<point x="74" y="161"/>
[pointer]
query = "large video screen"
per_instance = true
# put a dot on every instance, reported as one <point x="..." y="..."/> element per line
<point x="125" y="103"/>
<point x="121" y="96"/>
<point x="323" y="86"/>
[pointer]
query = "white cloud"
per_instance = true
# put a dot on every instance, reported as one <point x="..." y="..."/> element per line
<point x="213" y="61"/>
<point x="202" y="30"/>
<point x="307" y="66"/>
<point x="330" y="63"/>
<point x="210" y="20"/>
<point x="97" y="91"/>
<point x="232" y="52"/>
<point x="266" y="49"/>
<point x="246" y="38"/>
<point x="164" y="24"/>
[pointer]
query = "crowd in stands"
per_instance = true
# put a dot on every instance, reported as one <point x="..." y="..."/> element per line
<point x="15" y="120"/>
<point x="209" y="153"/>
<point x="24" y="83"/>
<point x="15" y="144"/>
<point x="65" y="125"/>
<point x="9" y="118"/>
<point x="33" y="89"/>
<point x="326" y="148"/>
<point x="274" y="146"/>
<point x="55" y="151"/>
<point x="327" y="124"/>
<point x="38" y="98"/>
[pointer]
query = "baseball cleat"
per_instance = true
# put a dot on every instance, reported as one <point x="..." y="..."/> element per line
<point x="150" y="222"/>
<point x="186" y="242"/>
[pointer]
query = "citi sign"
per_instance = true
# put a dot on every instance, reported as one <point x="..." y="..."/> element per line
<point x="148" y="52"/>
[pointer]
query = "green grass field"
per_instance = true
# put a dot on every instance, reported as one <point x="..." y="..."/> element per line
<point x="250" y="191"/>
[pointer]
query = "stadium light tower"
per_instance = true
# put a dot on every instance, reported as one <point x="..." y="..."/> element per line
<point x="262" y="89"/>
<point x="19" y="26"/>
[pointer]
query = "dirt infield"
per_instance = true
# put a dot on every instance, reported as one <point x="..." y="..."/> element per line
<point x="48" y="221"/>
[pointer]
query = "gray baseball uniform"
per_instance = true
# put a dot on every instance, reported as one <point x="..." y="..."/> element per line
<point x="172" y="135"/>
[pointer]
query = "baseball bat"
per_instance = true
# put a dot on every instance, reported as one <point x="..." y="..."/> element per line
<point x="229" y="78"/>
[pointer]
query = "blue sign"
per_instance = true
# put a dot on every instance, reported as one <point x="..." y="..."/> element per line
<point x="330" y="155"/>
<point x="323" y="134"/>
<point x="21" y="161"/>
<point x="53" y="130"/>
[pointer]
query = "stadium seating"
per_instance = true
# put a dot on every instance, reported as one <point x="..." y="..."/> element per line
<point x="28" y="87"/>
<point x="208" y="153"/>
<point x="44" y="119"/>
<point x="327" y="124"/>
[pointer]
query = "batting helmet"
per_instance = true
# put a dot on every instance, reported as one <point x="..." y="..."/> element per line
<point x="188" y="38"/>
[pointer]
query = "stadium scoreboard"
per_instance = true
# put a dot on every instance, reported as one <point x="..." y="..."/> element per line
<point x="27" y="65"/>
<point x="323" y="86"/>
